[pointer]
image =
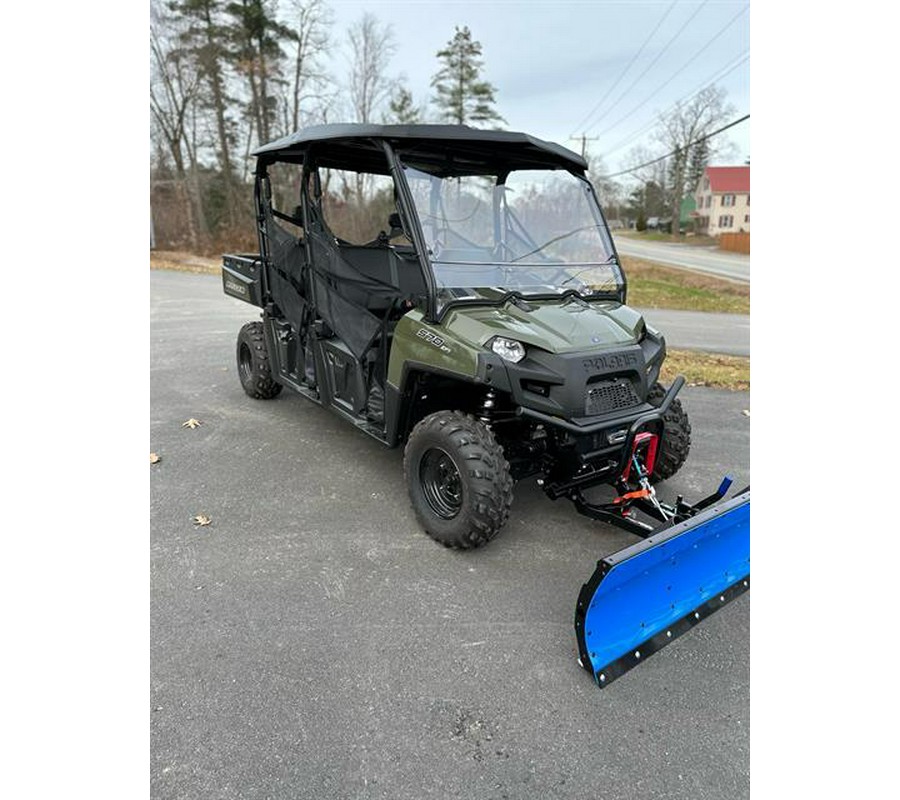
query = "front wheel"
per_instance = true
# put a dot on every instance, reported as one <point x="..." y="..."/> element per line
<point x="676" y="442"/>
<point x="458" y="479"/>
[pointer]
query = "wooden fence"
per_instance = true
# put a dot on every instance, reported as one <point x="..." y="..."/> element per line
<point x="736" y="242"/>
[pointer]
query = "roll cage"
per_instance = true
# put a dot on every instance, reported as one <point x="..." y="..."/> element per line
<point x="446" y="151"/>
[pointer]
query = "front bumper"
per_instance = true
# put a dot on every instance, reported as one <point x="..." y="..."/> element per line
<point x="601" y="446"/>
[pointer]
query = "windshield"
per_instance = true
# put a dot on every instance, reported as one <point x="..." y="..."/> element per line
<point x="536" y="232"/>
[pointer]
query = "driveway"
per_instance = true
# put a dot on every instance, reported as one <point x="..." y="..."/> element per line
<point x="313" y="642"/>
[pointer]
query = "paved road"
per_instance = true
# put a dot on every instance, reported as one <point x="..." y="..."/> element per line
<point x="700" y="330"/>
<point x="314" y="643"/>
<point x="697" y="259"/>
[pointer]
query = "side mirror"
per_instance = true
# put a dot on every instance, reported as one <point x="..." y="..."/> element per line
<point x="395" y="223"/>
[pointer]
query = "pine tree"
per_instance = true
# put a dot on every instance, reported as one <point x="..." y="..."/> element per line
<point x="699" y="159"/>
<point x="679" y="163"/>
<point x="462" y="97"/>
<point x="206" y="39"/>
<point x="402" y="110"/>
<point x="258" y="54"/>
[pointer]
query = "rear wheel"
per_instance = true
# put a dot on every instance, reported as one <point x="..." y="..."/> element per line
<point x="676" y="442"/>
<point x="458" y="479"/>
<point x="254" y="367"/>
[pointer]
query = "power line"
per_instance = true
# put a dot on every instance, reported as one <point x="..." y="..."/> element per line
<point x="716" y="76"/>
<point x="686" y="147"/>
<point x="650" y="66"/>
<point x="624" y="71"/>
<point x="676" y="74"/>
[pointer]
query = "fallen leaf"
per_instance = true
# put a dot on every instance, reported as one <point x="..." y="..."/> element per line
<point x="746" y="412"/>
<point x="191" y="423"/>
<point x="154" y="458"/>
<point x="201" y="520"/>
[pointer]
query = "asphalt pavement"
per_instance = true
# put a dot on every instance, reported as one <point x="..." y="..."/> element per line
<point x="702" y="330"/>
<point x="711" y="260"/>
<point x="313" y="642"/>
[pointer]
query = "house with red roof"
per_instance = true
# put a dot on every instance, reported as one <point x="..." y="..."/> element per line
<point x="723" y="201"/>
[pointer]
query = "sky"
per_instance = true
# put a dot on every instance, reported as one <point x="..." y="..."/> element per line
<point x="552" y="63"/>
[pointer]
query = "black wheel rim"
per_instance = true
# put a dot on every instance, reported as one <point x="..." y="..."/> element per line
<point x="245" y="363"/>
<point x="441" y="483"/>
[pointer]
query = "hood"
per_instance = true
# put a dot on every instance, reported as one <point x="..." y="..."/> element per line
<point x="557" y="326"/>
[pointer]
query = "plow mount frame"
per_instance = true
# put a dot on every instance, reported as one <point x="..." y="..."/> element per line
<point x="621" y="515"/>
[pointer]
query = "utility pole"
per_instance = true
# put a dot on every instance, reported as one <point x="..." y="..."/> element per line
<point x="584" y="140"/>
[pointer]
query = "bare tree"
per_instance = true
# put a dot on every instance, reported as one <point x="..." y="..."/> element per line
<point x="309" y="23"/>
<point x="643" y="165"/>
<point x="371" y="48"/>
<point x="680" y="130"/>
<point x="609" y="191"/>
<point x="174" y="86"/>
<point x="648" y="195"/>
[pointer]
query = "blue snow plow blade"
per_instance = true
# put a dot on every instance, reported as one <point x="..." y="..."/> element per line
<point x="643" y="597"/>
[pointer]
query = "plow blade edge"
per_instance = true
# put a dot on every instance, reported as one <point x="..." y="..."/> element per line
<point x="643" y="597"/>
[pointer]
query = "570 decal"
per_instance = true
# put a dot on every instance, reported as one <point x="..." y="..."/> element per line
<point x="437" y="341"/>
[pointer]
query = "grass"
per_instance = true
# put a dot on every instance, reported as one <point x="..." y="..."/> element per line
<point x="184" y="262"/>
<point x="655" y="286"/>
<point x="707" y="369"/>
<point x="695" y="240"/>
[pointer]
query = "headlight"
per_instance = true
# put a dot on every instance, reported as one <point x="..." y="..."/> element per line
<point x="508" y="349"/>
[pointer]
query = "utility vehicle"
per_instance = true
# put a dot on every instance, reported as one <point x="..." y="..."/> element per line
<point x="457" y="292"/>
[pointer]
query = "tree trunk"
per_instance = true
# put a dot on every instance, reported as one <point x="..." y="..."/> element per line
<point x="194" y="196"/>
<point x="215" y="82"/>
<point x="263" y="95"/>
<point x="298" y="74"/>
<point x="461" y="109"/>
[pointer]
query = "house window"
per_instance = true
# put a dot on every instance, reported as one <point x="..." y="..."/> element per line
<point x="727" y="199"/>
<point x="726" y="221"/>
<point x="709" y="201"/>
<point x="706" y="185"/>
<point x="748" y="199"/>
<point x="746" y="218"/>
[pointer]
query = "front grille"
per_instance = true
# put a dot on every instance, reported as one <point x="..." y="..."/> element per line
<point x="610" y="396"/>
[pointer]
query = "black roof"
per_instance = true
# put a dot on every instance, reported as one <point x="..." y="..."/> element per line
<point x="440" y="149"/>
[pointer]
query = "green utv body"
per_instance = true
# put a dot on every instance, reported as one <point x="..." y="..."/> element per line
<point x="457" y="292"/>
